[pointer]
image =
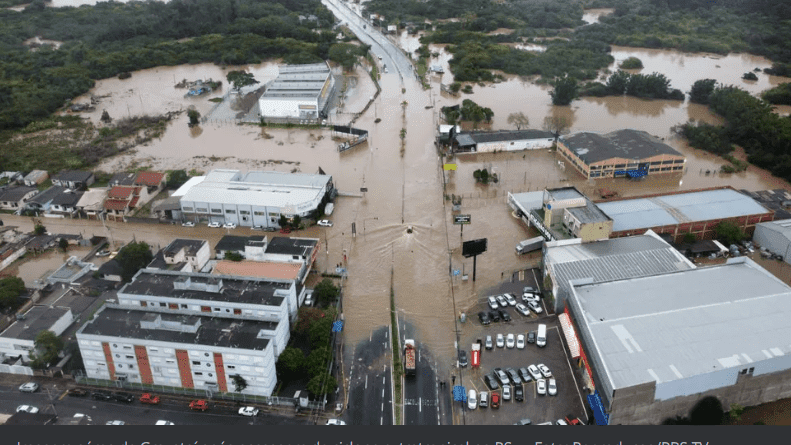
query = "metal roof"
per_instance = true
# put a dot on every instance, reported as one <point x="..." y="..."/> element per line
<point x="589" y="213"/>
<point x="298" y="81"/>
<point x="529" y="200"/>
<point x="678" y="325"/>
<point x="37" y="319"/>
<point x="627" y="144"/>
<point x="509" y="135"/>
<point x="564" y="193"/>
<point x="283" y="179"/>
<point x="643" y="213"/>
<point x="16" y="193"/>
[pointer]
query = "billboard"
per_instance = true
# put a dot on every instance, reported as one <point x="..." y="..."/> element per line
<point x="474" y="247"/>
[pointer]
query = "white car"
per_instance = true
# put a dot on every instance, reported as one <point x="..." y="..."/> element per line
<point x="561" y="422"/>
<point x="528" y="296"/>
<point x="502" y="301"/>
<point x="229" y="225"/>
<point x="188" y="224"/>
<point x="472" y="399"/>
<point x="500" y="341"/>
<point x="214" y="224"/>
<point x="164" y="422"/>
<point x="26" y="409"/>
<point x="541" y="386"/>
<point x="507" y="392"/>
<point x="493" y="303"/>
<point x="544" y="370"/>
<point x="510" y="299"/>
<point x="489" y="342"/>
<point x="535" y="307"/>
<point x="325" y="223"/>
<point x="509" y="341"/>
<point x="520" y="341"/>
<point x="336" y="422"/>
<point x="115" y="422"/>
<point x="534" y="372"/>
<point x="522" y="309"/>
<point x="553" y="388"/>
<point x="249" y="411"/>
<point x="29" y="387"/>
<point x="308" y="299"/>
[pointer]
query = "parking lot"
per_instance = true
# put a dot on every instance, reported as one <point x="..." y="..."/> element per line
<point x="536" y="407"/>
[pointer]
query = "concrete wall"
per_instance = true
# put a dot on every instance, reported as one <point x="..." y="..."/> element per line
<point x="295" y="108"/>
<point x="595" y="231"/>
<point x="515" y="145"/>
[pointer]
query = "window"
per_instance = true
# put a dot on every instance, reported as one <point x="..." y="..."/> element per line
<point x="751" y="370"/>
<point x="237" y="312"/>
<point x="217" y="309"/>
<point x="678" y="161"/>
<point x="216" y="210"/>
<point x="117" y="355"/>
<point x="227" y="310"/>
<point x="162" y="305"/>
<point x="187" y="209"/>
<point x="244" y="212"/>
<point x="230" y="211"/>
<point x="170" y="361"/>
<point x="231" y="367"/>
<point x="196" y="363"/>
<point x="205" y="309"/>
<point x="206" y="354"/>
<point x="208" y="365"/>
<point x="211" y="375"/>
<point x="127" y="347"/>
<point x="202" y="209"/>
<point x="198" y="373"/>
<point x="173" y="306"/>
<point x="184" y="306"/>
<point x="143" y="303"/>
<point x="258" y="213"/>
<point x="130" y="356"/>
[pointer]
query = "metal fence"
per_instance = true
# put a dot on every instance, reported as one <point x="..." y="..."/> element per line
<point x="194" y="392"/>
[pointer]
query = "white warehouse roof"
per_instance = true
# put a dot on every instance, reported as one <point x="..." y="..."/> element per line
<point x="678" y="325"/>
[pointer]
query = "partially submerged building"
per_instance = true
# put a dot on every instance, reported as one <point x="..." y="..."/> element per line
<point x="299" y="92"/>
<point x="506" y="140"/>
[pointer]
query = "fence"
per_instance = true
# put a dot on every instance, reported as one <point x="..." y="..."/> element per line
<point x="193" y="392"/>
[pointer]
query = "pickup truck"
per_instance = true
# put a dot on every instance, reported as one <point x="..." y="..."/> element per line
<point x="149" y="399"/>
<point x="199" y="405"/>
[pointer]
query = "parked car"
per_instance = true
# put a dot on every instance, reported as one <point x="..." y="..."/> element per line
<point x="574" y="421"/>
<point x="257" y="228"/>
<point x="493" y="302"/>
<point x="502" y="301"/>
<point x="188" y="224"/>
<point x="484" y="318"/>
<point x="560" y="422"/>
<point x="199" y="405"/>
<point x="77" y="392"/>
<point x="308" y="298"/>
<point x="510" y="299"/>
<point x="544" y="370"/>
<point x="214" y="224"/>
<point x="462" y="358"/>
<point x="115" y="422"/>
<point x="26" y="409"/>
<point x="531" y="337"/>
<point x="541" y="386"/>
<point x="270" y="229"/>
<point x="495" y="400"/>
<point x="248" y="411"/>
<point x="103" y="253"/>
<point x="149" y="399"/>
<point x="489" y="344"/>
<point x="528" y="296"/>
<point x="102" y="395"/>
<point x="500" y="341"/>
<point x="494" y="316"/>
<point x="552" y="388"/>
<point x="506" y="392"/>
<point x="510" y="341"/>
<point x="530" y="289"/>
<point x="491" y="381"/>
<point x="336" y="422"/>
<point x="124" y="397"/>
<point x="501" y="376"/>
<point x="472" y="399"/>
<point x="520" y="341"/>
<point x="519" y="393"/>
<point x="229" y="225"/>
<point x="534" y="372"/>
<point x="504" y="315"/>
<point x="484" y="399"/>
<point x="525" y="375"/>
<point x="514" y="376"/>
<point x="535" y="307"/>
<point x="524" y="422"/>
<point x="164" y="422"/>
<point x="29" y="387"/>
<point x="325" y="223"/>
<point x="522" y="309"/>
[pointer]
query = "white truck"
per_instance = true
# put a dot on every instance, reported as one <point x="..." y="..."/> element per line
<point x="529" y="245"/>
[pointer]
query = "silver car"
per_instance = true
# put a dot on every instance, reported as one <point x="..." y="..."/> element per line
<point x="541" y="386"/>
<point x="502" y="376"/>
<point x="506" y="392"/>
<point x="29" y="387"/>
<point x="500" y="341"/>
<point x="544" y="370"/>
<point x="493" y="302"/>
<point x="534" y="372"/>
<point x="535" y="307"/>
<point x="510" y="299"/>
<point x="522" y="309"/>
<point x="502" y="301"/>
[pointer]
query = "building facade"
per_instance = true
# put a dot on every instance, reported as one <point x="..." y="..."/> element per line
<point x="492" y="141"/>
<point x="299" y="92"/>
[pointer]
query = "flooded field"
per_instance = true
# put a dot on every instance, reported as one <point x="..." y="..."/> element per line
<point x="34" y="268"/>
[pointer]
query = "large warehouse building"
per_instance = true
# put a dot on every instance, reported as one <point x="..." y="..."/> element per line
<point x="255" y="199"/>
<point x="654" y="346"/>
<point x="299" y="92"/>
<point x="679" y="213"/>
<point x="621" y="153"/>
<point x="494" y="141"/>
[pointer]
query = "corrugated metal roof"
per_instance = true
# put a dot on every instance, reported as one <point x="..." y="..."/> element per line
<point x="286" y="179"/>
<point x="643" y="213"/>
<point x="673" y="326"/>
<point x="529" y="200"/>
<point x="627" y="144"/>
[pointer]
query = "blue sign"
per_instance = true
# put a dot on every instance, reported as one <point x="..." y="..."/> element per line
<point x="456" y="272"/>
<point x="459" y="394"/>
<point x="337" y="326"/>
<point x="599" y="414"/>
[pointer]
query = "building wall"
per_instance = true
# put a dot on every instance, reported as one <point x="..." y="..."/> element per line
<point x="196" y="262"/>
<point x="14" y="347"/>
<point x="773" y="240"/>
<point x="701" y="229"/>
<point x="664" y="163"/>
<point x="299" y="108"/>
<point x="198" y="367"/>
<point x="514" y="145"/>
<point x="594" y="231"/>
<point x="13" y="205"/>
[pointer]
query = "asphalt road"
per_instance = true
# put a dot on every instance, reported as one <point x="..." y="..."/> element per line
<point x="424" y="398"/>
<point x="370" y="389"/>
<point x="51" y="399"/>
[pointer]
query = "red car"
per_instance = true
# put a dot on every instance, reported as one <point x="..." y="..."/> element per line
<point x="575" y="421"/>
<point x="495" y="400"/>
<point x="200" y="405"/>
<point x="150" y="399"/>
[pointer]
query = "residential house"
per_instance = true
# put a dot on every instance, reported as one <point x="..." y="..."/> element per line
<point x="123" y="178"/>
<point x="74" y="179"/>
<point x="42" y="202"/>
<point x="91" y="203"/>
<point x="153" y="181"/>
<point x="183" y="255"/>
<point x="66" y="202"/>
<point x="121" y="199"/>
<point x="35" y="177"/>
<point x="17" y="341"/>
<point x="15" y="197"/>
<point x="111" y="271"/>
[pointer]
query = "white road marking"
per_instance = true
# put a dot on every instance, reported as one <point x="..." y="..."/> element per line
<point x="420" y="404"/>
<point x="383" y="380"/>
<point x="366" y="382"/>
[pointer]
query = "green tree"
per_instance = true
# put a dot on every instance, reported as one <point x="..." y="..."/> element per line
<point x="194" y="116"/>
<point x="63" y="244"/>
<point x="234" y="256"/>
<point x="701" y="91"/>
<point x="317" y="360"/>
<point x="322" y="384"/>
<point x="11" y="288"/>
<point x="519" y="120"/>
<point x="48" y="346"/>
<point x="296" y="221"/>
<point x="617" y="82"/>
<point x="291" y="361"/>
<point x="239" y="383"/>
<point x="345" y="54"/>
<point x="283" y="221"/>
<point x="728" y="232"/>
<point x="38" y="229"/>
<point x="326" y="292"/>
<point x="455" y="87"/>
<point x="736" y="412"/>
<point x="565" y="90"/>
<point x="133" y="257"/>
<point x="240" y="78"/>
<point x="631" y="63"/>
<point x="177" y="178"/>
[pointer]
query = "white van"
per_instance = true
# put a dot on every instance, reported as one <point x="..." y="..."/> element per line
<point x="541" y="337"/>
<point x="484" y="399"/>
<point x="472" y="399"/>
